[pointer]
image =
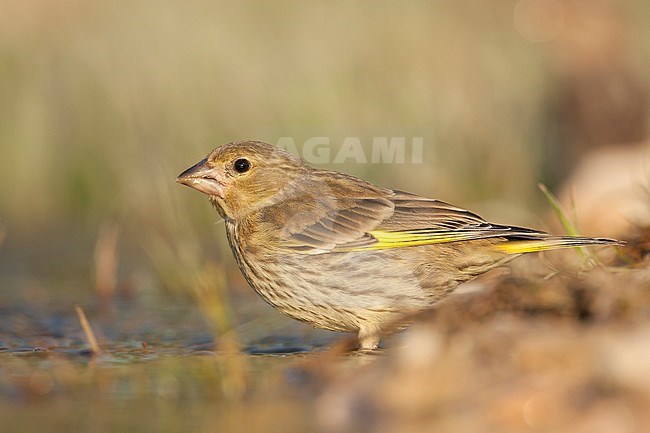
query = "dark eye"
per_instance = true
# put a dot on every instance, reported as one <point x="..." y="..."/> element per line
<point x="242" y="165"/>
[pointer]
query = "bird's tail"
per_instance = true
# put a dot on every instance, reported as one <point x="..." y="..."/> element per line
<point x="551" y="243"/>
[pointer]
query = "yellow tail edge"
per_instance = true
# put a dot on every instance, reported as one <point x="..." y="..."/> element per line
<point x="552" y="243"/>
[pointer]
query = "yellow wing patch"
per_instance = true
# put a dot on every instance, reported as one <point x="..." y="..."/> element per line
<point x="382" y="239"/>
<point x="552" y="243"/>
<point x="521" y="247"/>
<point x="410" y="238"/>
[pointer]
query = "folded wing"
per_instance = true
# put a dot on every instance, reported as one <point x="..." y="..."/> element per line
<point x="365" y="217"/>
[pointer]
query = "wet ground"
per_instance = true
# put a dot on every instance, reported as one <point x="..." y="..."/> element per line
<point x="158" y="370"/>
<point x="556" y="344"/>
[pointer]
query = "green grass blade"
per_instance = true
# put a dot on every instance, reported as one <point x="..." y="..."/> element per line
<point x="570" y="228"/>
<point x="561" y="214"/>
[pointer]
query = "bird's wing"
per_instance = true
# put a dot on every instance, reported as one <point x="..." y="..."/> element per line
<point x="364" y="217"/>
<point x="336" y="210"/>
<point x="422" y="221"/>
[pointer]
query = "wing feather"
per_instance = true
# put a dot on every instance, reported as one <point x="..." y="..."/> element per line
<point x="366" y="217"/>
<point x="341" y="209"/>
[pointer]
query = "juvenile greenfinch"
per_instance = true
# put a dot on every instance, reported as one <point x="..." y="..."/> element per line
<point x="343" y="254"/>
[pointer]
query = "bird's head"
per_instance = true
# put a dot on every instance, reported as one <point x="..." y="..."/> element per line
<point x="243" y="176"/>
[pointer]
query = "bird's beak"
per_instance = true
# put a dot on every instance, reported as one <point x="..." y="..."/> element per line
<point x="203" y="178"/>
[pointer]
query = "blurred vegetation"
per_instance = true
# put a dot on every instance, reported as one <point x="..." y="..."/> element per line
<point x="103" y="104"/>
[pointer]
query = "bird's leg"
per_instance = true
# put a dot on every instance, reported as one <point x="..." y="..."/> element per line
<point x="368" y="337"/>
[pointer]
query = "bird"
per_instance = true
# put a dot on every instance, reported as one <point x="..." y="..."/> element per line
<point x="343" y="254"/>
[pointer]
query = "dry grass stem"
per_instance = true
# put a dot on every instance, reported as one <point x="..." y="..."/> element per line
<point x="90" y="335"/>
<point x="106" y="260"/>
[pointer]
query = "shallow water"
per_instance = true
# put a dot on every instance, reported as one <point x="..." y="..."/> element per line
<point x="161" y="368"/>
<point x="171" y="391"/>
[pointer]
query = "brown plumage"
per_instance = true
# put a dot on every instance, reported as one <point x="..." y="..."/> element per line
<point x="343" y="254"/>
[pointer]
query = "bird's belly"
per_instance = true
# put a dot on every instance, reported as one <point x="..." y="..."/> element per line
<point x="337" y="291"/>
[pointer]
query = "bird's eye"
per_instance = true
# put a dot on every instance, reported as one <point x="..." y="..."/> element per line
<point x="242" y="165"/>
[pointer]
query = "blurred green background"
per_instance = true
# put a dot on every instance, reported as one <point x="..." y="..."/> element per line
<point x="102" y="104"/>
